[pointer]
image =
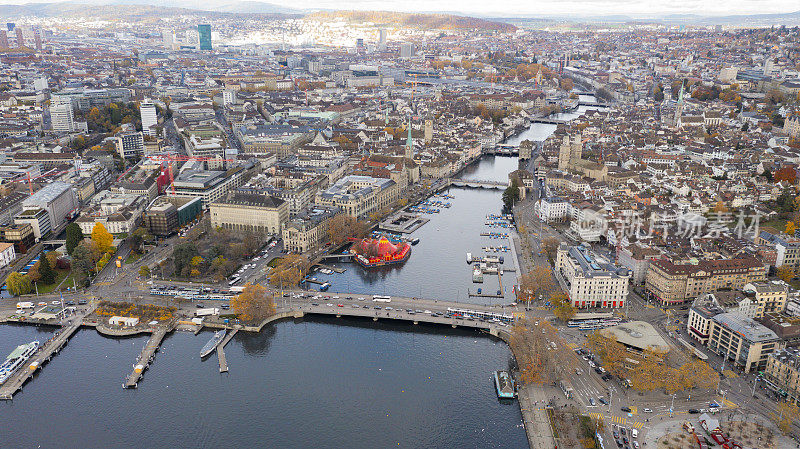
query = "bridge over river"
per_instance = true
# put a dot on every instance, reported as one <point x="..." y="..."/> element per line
<point x="478" y="183"/>
<point x="493" y="319"/>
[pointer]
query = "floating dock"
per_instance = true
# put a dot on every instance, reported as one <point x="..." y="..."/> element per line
<point x="485" y="295"/>
<point x="146" y="357"/>
<point x="403" y="223"/>
<point x="223" y="362"/>
<point x="47" y="351"/>
<point x="338" y="270"/>
<point x="504" y="385"/>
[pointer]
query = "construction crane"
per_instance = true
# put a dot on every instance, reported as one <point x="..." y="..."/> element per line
<point x="184" y="158"/>
<point x="30" y="179"/>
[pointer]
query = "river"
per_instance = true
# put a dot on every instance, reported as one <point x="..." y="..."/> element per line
<point x="437" y="267"/>
<point x="317" y="382"/>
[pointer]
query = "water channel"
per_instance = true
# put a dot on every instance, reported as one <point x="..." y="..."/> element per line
<point x="318" y="382"/>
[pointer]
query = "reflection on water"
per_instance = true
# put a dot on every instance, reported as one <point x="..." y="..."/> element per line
<point x="334" y="382"/>
<point x="255" y="344"/>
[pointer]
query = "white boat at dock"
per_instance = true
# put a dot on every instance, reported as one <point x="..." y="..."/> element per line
<point x="477" y="275"/>
<point x="213" y="343"/>
<point x="17" y="357"/>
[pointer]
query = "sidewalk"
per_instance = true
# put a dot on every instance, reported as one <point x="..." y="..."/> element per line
<point x="534" y="416"/>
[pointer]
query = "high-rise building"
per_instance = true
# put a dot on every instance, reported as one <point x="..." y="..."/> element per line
<point x="769" y="66"/>
<point x="168" y="38"/>
<point x="3" y="39"/>
<point x="147" y="109"/>
<point x="62" y="118"/>
<point x="20" y="37"/>
<point x="130" y="145"/>
<point x="204" y="32"/>
<point x="228" y="97"/>
<point x="406" y="50"/>
<point x="382" y="39"/>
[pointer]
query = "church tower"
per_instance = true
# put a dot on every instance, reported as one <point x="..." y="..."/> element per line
<point x="428" y="129"/>
<point x="409" y="143"/>
<point x="679" y="108"/>
<point x="576" y="149"/>
<point x="564" y="154"/>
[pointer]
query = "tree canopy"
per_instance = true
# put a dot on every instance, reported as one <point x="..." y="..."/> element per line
<point x="102" y="237"/>
<point x="18" y="284"/>
<point x="253" y="303"/>
<point x="74" y="237"/>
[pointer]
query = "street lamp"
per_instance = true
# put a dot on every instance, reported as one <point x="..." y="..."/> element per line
<point x="672" y="406"/>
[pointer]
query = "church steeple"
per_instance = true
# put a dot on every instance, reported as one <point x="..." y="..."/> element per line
<point x="679" y="108"/>
<point x="409" y="143"/>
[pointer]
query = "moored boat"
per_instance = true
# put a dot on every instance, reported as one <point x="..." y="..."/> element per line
<point x="212" y="344"/>
<point x="504" y="384"/>
<point x="17" y="357"/>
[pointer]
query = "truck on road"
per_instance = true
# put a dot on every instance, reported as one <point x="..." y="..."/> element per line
<point x="207" y="311"/>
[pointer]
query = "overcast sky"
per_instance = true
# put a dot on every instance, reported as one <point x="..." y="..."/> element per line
<point x="509" y="7"/>
<point x="571" y="7"/>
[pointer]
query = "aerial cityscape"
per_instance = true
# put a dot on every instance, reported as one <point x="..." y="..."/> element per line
<point x="368" y="225"/>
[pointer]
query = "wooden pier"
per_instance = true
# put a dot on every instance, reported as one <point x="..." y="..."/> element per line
<point x="223" y="362"/>
<point x="146" y="357"/>
<point x="485" y="295"/>
<point x="339" y="270"/>
<point x="313" y="281"/>
<point x="42" y="356"/>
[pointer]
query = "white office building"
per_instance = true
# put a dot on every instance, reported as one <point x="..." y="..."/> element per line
<point x="228" y="97"/>
<point x="147" y="109"/>
<point x="62" y="118"/>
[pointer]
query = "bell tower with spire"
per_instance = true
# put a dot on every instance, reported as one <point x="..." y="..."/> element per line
<point x="409" y="143"/>
<point x="679" y="108"/>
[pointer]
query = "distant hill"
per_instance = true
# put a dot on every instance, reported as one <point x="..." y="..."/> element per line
<point x="749" y="20"/>
<point x="123" y="9"/>
<point x="423" y="21"/>
<point x="253" y="7"/>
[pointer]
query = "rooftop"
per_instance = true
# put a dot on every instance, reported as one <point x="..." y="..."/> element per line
<point x="251" y="200"/>
<point x="591" y="265"/>
<point x="746" y="327"/>
<point x="639" y="335"/>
